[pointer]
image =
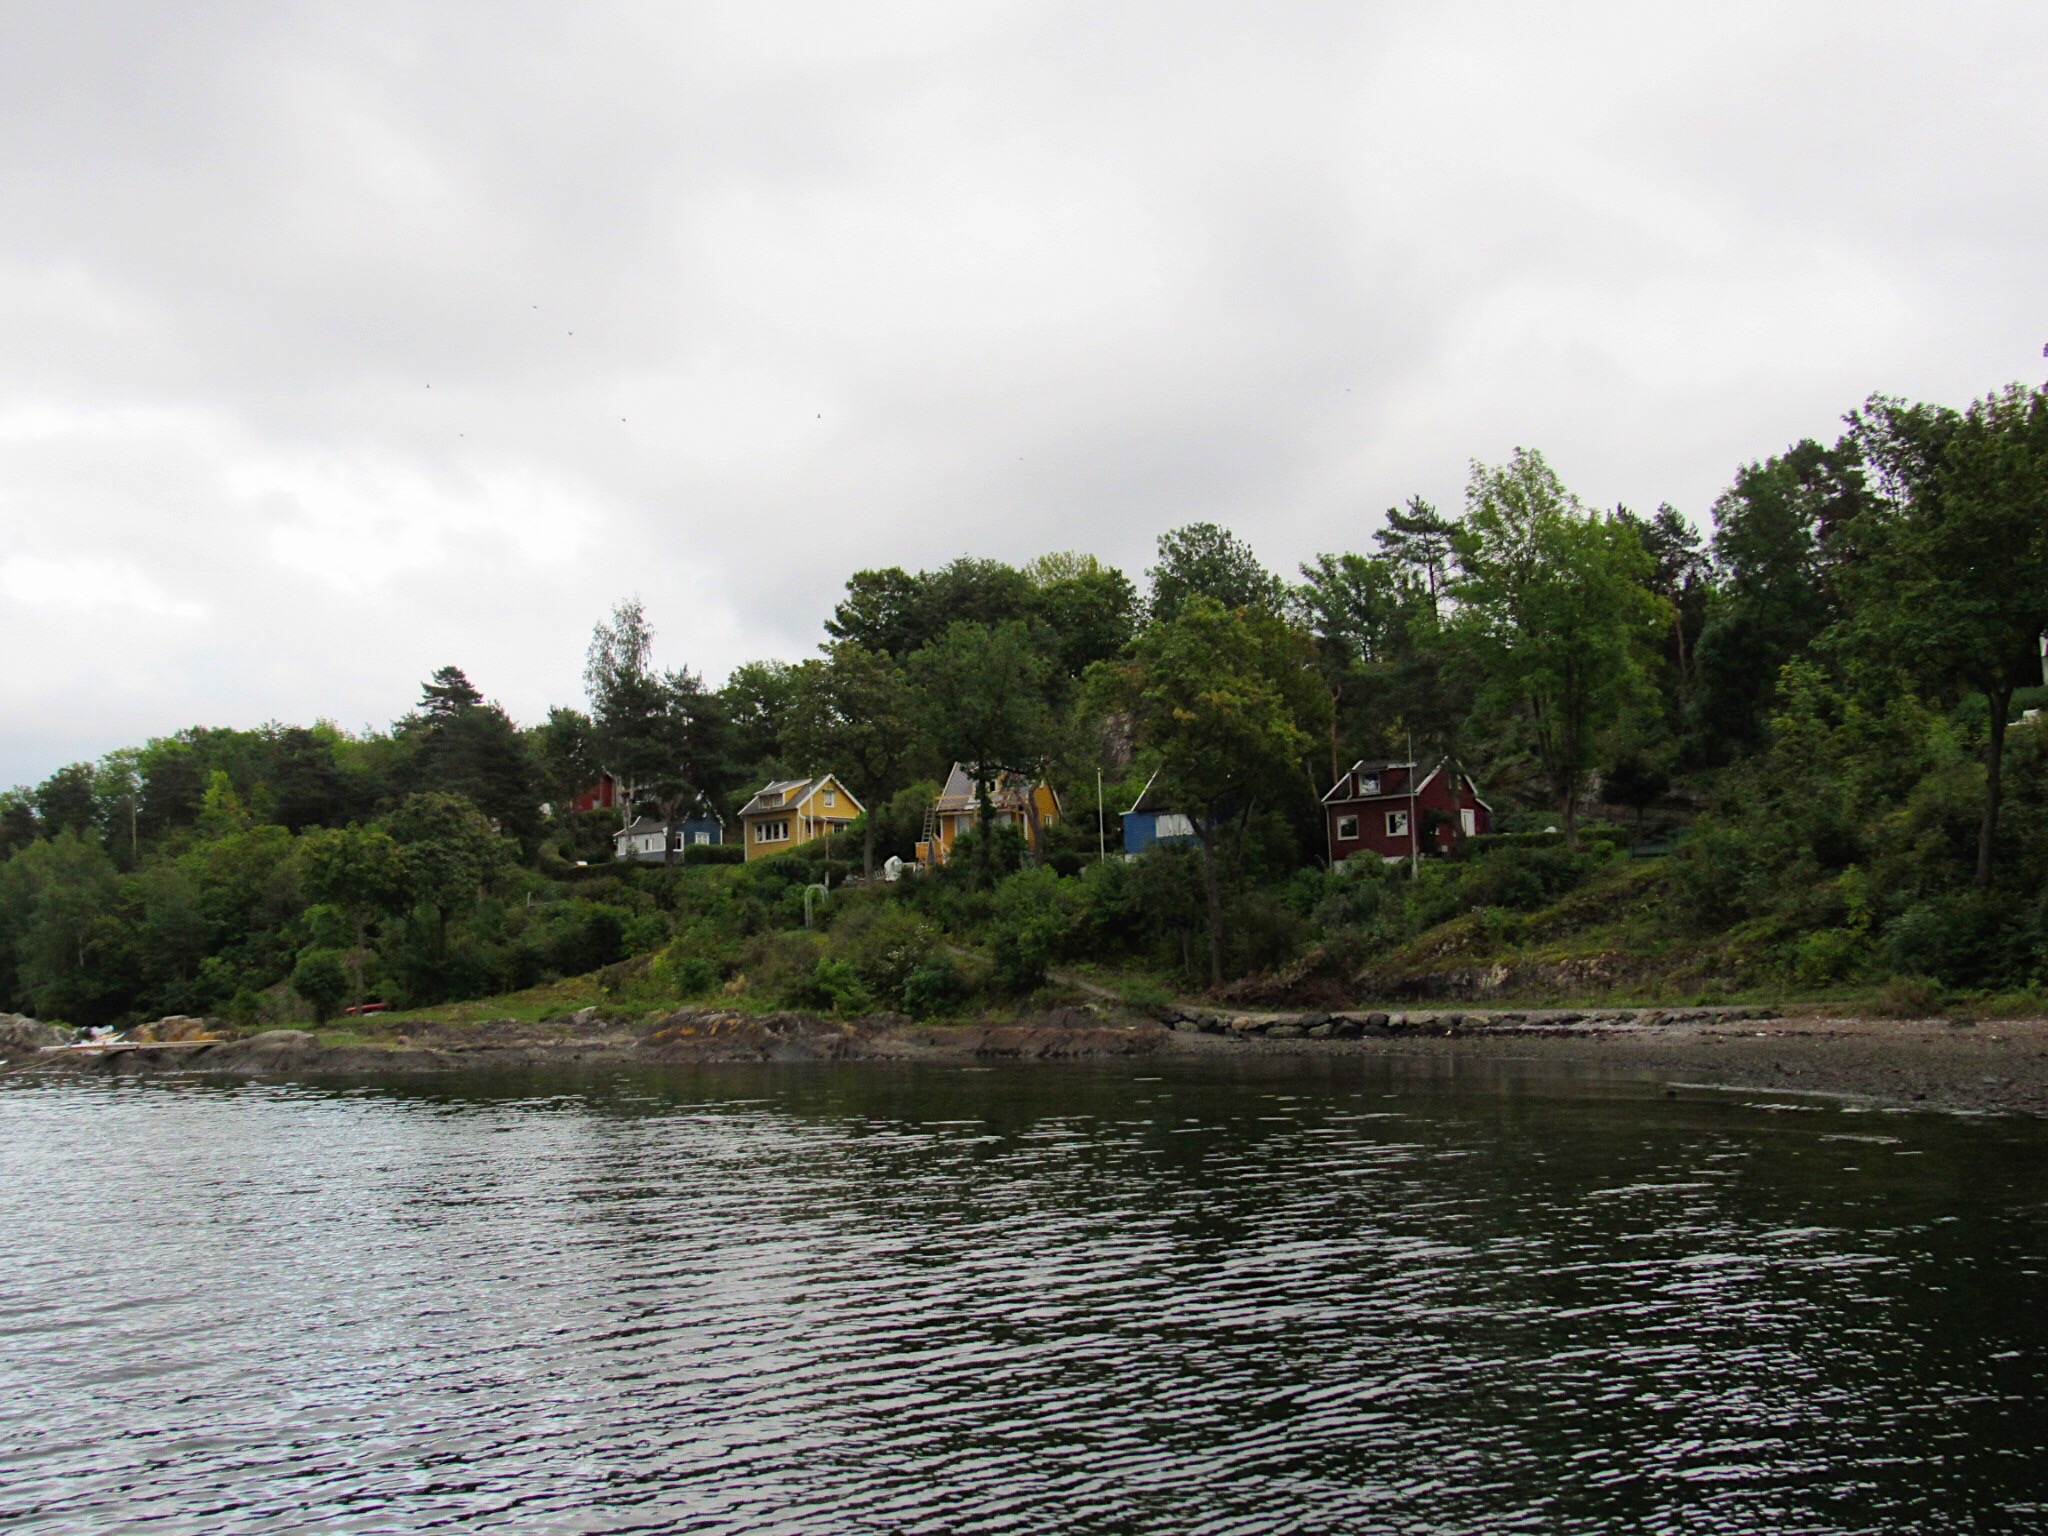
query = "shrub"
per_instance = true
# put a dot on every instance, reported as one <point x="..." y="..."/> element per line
<point x="1262" y="932"/>
<point x="1143" y="993"/>
<point x="935" y="987"/>
<point x="1034" y="915"/>
<point x="978" y="861"/>
<point x="686" y="972"/>
<point x="1962" y="939"/>
<point x="1105" y="907"/>
<point x="642" y="933"/>
<point x="886" y="942"/>
<point x="778" y="963"/>
<point x="1707" y="875"/>
<point x="834" y="986"/>
<point x="1906" y="997"/>
<point x="1827" y="955"/>
<point x="321" y="978"/>
<point x="715" y="853"/>
<point x="587" y="935"/>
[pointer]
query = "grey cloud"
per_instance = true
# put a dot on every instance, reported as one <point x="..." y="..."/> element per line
<point x="291" y="411"/>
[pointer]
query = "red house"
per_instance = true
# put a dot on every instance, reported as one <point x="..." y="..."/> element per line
<point x="601" y="796"/>
<point x="1395" y="810"/>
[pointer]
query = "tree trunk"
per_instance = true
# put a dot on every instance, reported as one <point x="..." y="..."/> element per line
<point x="355" y="960"/>
<point x="984" y="823"/>
<point x="1570" y="811"/>
<point x="2000" y="701"/>
<point x="867" y="848"/>
<point x="1336" y="702"/>
<point x="1212" y="889"/>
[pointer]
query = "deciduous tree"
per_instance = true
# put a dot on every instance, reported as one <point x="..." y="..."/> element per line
<point x="662" y="735"/>
<point x="1227" y="702"/>
<point x="854" y="715"/>
<point x="1204" y="560"/>
<point x="1552" y="601"/>
<point x="1951" y="575"/>
<point x="981" y="700"/>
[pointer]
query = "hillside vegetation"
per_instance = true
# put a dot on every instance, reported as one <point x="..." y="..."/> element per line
<point x="1815" y="713"/>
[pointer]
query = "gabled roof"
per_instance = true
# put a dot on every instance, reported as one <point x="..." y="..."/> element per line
<point x="784" y="794"/>
<point x="959" y="790"/>
<point x="641" y="826"/>
<point x="1146" y="801"/>
<point x="774" y="796"/>
<point x="1395" y="783"/>
<point x="1009" y="792"/>
<point x="1393" y="779"/>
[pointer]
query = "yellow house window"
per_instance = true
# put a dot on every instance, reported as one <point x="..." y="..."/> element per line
<point x="831" y="797"/>
<point x="771" y="831"/>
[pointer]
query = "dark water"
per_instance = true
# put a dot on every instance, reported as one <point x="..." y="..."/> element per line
<point x="862" y="1299"/>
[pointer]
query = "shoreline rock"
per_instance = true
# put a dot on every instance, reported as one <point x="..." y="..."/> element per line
<point x="1997" y="1067"/>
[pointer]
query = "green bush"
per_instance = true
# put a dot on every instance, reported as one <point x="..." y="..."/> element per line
<point x="1033" y="920"/>
<point x="715" y="853"/>
<point x="685" y="971"/>
<point x="978" y="861"/>
<point x="586" y="935"/>
<point x="833" y="986"/>
<point x="935" y="988"/>
<point x="1707" y="877"/>
<point x="1261" y="932"/>
<point x="644" y="932"/>
<point x="1143" y="993"/>
<point x="321" y="978"/>
<point x="1965" y="938"/>
<point x="1827" y="955"/>
<point x="776" y="962"/>
<point x="1906" y="997"/>
<point x="886" y="942"/>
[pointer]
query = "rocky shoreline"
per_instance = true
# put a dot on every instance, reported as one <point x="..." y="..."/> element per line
<point x="1951" y="1064"/>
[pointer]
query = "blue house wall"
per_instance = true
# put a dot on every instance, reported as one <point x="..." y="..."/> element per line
<point x="712" y="829"/>
<point x="1141" y="831"/>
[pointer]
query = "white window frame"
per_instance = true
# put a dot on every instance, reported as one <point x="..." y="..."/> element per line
<point x="1397" y="823"/>
<point x="771" y="831"/>
<point x="700" y="839"/>
<point x="1369" y="784"/>
<point x="831" y="798"/>
<point x="1347" y="829"/>
<point x="1172" y="824"/>
<point x="1468" y="821"/>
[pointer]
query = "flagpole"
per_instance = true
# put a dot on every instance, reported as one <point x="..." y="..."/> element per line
<point x="1414" y="835"/>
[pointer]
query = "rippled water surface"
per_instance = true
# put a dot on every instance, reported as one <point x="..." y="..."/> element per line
<point x="1120" y="1299"/>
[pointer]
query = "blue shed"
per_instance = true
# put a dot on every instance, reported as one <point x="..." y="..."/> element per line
<point x="1150" y="822"/>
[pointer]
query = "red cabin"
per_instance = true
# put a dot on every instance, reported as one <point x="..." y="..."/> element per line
<point x="1395" y="810"/>
<point x="601" y="796"/>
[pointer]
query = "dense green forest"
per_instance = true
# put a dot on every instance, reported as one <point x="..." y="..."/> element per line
<point x="1790" y="749"/>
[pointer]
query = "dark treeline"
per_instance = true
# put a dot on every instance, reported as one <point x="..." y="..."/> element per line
<point x="1813" y="709"/>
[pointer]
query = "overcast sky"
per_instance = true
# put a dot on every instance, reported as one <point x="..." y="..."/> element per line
<point x="338" y="343"/>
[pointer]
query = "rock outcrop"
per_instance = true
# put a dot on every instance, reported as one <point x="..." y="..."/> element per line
<point x="21" y="1035"/>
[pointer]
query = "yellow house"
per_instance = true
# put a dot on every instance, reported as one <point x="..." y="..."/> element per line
<point x="1034" y="807"/>
<point x="791" y="812"/>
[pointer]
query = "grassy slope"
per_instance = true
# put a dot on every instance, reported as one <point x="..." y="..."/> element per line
<point x="1605" y="941"/>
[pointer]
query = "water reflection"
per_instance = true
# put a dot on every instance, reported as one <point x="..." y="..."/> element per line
<point x="863" y="1299"/>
